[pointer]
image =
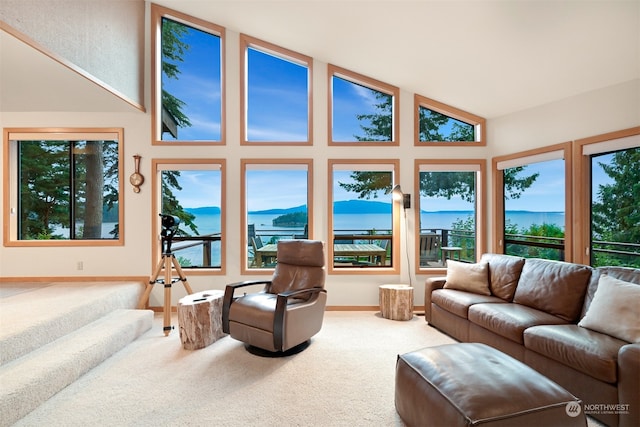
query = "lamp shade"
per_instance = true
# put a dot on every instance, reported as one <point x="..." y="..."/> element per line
<point x="396" y="193"/>
<point x="399" y="196"/>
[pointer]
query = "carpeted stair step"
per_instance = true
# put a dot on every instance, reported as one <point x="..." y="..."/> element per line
<point x="27" y="382"/>
<point x="32" y="319"/>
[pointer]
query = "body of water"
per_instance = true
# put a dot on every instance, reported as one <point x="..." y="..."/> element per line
<point x="440" y="220"/>
<point x="210" y="224"/>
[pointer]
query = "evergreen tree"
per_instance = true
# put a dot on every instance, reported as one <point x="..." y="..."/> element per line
<point x="616" y="210"/>
<point x="378" y="127"/>
<point x="173" y="49"/>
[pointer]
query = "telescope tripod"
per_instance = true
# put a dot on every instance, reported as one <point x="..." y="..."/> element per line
<point x="168" y="262"/>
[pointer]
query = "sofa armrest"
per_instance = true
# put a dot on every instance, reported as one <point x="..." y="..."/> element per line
<point x="431" y="284"/>
<point x="628" y="384"/>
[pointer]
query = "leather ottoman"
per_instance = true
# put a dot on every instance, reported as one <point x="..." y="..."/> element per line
<point x="470" y="384"/>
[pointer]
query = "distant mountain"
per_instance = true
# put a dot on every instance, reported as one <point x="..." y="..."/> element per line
<point x="342" y="207"/>
<point x="301" y="208"/>
<point x="206" y="210"/>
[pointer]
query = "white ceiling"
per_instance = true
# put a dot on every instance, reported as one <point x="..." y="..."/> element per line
<point x="490" y="58"/>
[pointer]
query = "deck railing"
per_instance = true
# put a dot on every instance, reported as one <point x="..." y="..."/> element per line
<point x="199" y="251"/>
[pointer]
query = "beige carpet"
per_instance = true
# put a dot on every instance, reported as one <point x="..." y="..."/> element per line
<point x="344" y="378"/>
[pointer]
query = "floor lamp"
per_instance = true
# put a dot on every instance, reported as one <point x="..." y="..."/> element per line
<point x="399" y="196"/>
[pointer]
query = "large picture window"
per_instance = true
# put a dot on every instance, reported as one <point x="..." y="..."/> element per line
<point x="188" y="94"/>
<point x="449" y="211"/>
<point x="363" y="220"/>
<point x="276" y="205"/>
<point x="608" y="173"/>
<point x="362" y="111"/>
<point x="276" y="94"/>
<point x="193" y="192"/>
<point x="534" y="190"/>
<point x="64" y="186"/>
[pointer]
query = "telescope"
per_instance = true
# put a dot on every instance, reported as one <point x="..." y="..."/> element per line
<point x="168" y="263"/>
<point x="170" y="221"/>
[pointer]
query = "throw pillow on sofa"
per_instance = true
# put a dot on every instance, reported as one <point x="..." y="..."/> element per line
<point x="468" y="277"/>
<point x="554" y="287"/>
<point x="613" y="310"/>
<point x="504" y="273"/>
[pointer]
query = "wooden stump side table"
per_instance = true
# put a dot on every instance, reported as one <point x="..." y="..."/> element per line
<point x="396" y="302"/>
<point x="200" y="319"/>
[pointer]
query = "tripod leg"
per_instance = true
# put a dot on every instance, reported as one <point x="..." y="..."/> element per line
<point x="144" y="299"/>
<point x="176" y="264"/>
<point x="167" y="296"/>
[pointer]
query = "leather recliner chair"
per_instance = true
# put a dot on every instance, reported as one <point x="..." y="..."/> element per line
<point x="282" y="317"/>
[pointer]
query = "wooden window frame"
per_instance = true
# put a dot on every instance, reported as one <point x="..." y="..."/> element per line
<point x="581" y="194"/>
<point x="479" y="123"/>
<point x="498" y="191"/>
<point x="10" y="196"/>
<point x="480" y="205"/>
<point x="394" y="165"/>
<point x="155" y="221"/>
<point x="247" y="42"/>
<point x="157" y="13"/>
<point x="359" y="79"/>
<point x="244" y="243"/>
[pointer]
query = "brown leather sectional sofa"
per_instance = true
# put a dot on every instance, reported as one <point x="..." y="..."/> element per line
<point x="534" y="310"/>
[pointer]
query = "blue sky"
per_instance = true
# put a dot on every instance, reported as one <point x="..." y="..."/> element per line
<point x="200" y="188"/>
<point x="198" y="85"/>
<point x="278" y="111"/>
<point x="269" y="189"/>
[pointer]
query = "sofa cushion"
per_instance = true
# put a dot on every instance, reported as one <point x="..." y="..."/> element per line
<point x="614" y="309"/>
<point x="510" y="320"/>
<point x="628" y="274"/>
<point x="590" y="352"/>
<point x="468" y="277"/>
<point x="458" y="302"/>
<point x="555" y="287"/>
<point x="504" y="273"/>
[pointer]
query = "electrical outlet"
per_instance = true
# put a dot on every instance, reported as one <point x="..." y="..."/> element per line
<point x="80" y="265"/>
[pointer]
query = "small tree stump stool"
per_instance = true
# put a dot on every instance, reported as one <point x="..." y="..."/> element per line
<point x="396" y="302"/>
<point x="200" y="319"/>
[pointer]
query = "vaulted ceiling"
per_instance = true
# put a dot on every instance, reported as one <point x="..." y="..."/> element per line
<point x="490" y="58"/>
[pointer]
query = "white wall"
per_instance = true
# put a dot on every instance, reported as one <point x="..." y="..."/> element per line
<point x="584" y="115"/>
<point x="78" y="32"/>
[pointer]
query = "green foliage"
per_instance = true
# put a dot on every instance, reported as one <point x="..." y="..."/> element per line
<point x="171" y="205"/>
<point x="44" y="188"/>
<point x="514" y="185"/>
<point x="294" y="219"/>
<point x="432" y="184"/>
<point x="616" y="213"/>
<point x="616" y="210"/>
<point x="173" y="49"/>
<point x="184" y="262"/>
<point x="448" y="184"/>
<point x="527" y="251"/>
<point x="381" y="128"/>
<point x="367" y="184"/>
<point x="46" y="198"/>
<point x="432" y="123"/>
<point x="463" y="235"/>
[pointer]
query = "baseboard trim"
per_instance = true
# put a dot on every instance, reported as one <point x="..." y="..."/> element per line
<point x="417" y="310"/>
<point x="142" y="279"/>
